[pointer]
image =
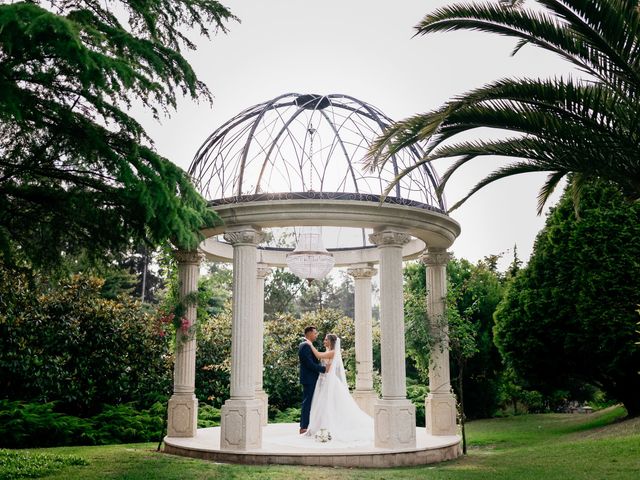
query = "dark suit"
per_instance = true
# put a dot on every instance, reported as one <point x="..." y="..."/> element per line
<point x="310" y="368"/>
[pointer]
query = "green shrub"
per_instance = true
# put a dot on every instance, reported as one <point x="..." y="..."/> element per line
<point x="24" y="425"/>
<point x="213" y="362"/>
<point x="124" y="424"/>
<point x="29" y="424"/>
<point x="290" y="415"/>
<point x="600" y="401"/>
<point x="417" y="394"/>
<point x="208" y="416"/>
<point x="70" y="345"/>
<point x="14" y="465"/>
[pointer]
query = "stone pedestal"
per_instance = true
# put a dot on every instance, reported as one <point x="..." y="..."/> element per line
<point x="241" y="425"/>
<point x="440" y="414"/>
<point x="241" y="415"/>
<point x="440" y="404"/>
<point x="364" y="394"/>
<point x="183" y="415"/>
<point x="183" y="405"/>
<point x="395" y="424"/>
<point x="394" y="415"/>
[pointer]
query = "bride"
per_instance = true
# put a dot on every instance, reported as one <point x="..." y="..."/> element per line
<point x="332" y="407"/>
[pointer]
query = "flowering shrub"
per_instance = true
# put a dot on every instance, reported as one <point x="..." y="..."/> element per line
<point x="69" y="344"/>
<point x="176" y="320"/>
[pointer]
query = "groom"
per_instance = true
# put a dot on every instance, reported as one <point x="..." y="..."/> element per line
<point x="310" y="368"/>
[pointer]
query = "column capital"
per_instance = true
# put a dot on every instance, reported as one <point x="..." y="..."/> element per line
<point x="435" y="257"/>
<point x="244" y="236"/>
<point x="362" y="272"/>
<point x="263" y="270"/>
<point x="187" y="256"/>
<point x="389" y="238"/>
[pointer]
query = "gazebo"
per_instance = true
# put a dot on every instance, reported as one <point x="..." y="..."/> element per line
<point x="296" y="162"/>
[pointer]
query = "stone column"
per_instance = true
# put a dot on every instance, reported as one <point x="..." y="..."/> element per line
<point x="263" y="271"/>
<point x="394" y="415"/>
<point x="241" y="415"/>
<point x="364" y="394"/>
<point x="183" y="404"/>
<point x="440" y="404"/>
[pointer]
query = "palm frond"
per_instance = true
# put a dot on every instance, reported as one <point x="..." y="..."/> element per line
<point x="401" y="135"/>
<point x="541" y="155"/>
<point x="577" y="184"/>
<point x="610" y="28"/>
<point x="560" y="30"/>
<point x="507" y="171"/>
<point x="548" y="188"/>
<point x="588" y="128"/>
<point x="538" y="28"/>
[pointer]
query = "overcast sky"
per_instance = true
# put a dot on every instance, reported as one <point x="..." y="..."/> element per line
<point x="365" y="48"/>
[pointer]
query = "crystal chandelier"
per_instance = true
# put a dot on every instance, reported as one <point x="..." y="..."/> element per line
<point x="310" y="260"/>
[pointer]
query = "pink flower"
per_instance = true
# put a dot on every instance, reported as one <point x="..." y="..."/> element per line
<point x="185" y="325"/>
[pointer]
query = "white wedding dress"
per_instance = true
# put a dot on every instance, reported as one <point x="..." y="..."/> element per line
<point x="333" y="408"/>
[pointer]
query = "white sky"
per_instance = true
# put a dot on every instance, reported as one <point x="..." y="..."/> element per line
<point x="365" y="48"/>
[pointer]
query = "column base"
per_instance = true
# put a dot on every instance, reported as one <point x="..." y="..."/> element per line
<point x="394" y="424"/>
<point x="264" y="398"/>
<point x="366" y="400"/>
<point x="440" y="414"/>
<point x="241" y="425"/>
<point x="183" y="415"/>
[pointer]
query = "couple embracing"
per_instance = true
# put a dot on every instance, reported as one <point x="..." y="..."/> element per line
<point x="326" y="401"/>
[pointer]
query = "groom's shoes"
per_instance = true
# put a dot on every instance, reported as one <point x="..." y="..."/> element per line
<point x="303" y="430"/>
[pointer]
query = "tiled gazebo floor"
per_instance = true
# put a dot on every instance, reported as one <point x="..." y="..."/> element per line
<point x="282" y="445"/>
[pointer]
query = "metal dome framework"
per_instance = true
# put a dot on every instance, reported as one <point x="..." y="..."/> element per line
<point x="307" y="146"/>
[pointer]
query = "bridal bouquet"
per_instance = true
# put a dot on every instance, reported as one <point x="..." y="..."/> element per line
<point x="323" y="435"/>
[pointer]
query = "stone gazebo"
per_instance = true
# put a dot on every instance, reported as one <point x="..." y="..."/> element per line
<point x="296" y="162"/>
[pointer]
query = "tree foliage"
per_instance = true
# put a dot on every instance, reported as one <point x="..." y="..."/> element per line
<point x="418" y="339"/>
<point x="77" y="172"/>
<point x="477" y="291"/>
<point x="568" y="318"/>
<point x="562" y="125"/>
<point x="286" y="293"/>
<point x="474" y="291"/>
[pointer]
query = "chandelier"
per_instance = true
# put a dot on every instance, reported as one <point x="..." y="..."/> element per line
<point x="310" y="260"/>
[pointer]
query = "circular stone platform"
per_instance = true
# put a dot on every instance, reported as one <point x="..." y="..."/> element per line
<point x="281" y="445"/>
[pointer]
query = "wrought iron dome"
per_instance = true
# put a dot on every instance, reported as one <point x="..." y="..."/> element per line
<point x="307" y="146"/>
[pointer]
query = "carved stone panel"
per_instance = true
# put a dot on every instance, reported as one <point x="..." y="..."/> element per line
<point x="241" y="425"/>
<point x="395" y="424"/>
<point x="183" y="416"/>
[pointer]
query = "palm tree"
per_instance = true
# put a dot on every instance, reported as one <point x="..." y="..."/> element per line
<point x="585" y="127"/>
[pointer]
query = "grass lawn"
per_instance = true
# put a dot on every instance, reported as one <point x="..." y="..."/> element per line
<point x="550" y="446"/>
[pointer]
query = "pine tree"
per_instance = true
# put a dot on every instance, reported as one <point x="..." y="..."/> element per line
<point x="77" y="172"/>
